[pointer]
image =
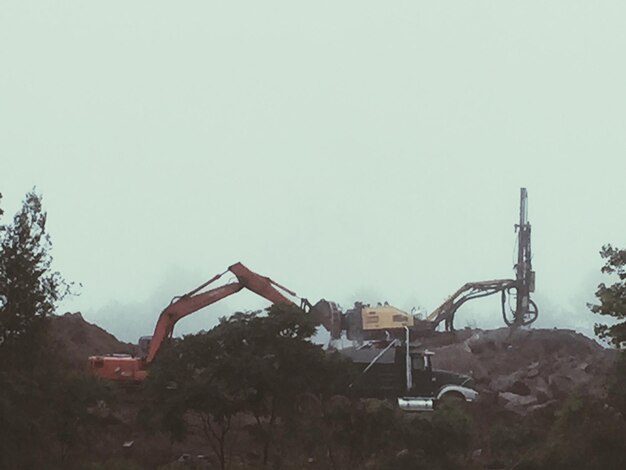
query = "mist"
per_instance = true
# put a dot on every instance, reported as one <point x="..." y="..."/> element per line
<point x="351" y="151"/>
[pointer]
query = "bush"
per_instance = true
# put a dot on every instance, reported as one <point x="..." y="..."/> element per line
<point x="587" y="434"/>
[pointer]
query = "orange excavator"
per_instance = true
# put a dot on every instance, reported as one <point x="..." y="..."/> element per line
<point x="132" y="369"/>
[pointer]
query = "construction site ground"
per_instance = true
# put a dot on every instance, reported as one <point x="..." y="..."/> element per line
<point x="521" y="374"/>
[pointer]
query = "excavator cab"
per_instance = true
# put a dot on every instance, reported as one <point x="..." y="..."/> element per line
<point x="144" y="346"/>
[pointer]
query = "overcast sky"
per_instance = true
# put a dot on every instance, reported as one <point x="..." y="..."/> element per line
<point x="351" y="150"/>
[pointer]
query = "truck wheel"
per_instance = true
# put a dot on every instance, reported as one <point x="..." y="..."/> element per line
<point x="452" y="400"/>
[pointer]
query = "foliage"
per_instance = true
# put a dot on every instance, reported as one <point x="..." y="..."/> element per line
<point x="249" y="364"/>
<point x="42" y="409"/>
<point x="617" y="384"/>
<point x="613" y="297"/>
<point x="513" y="437"/>
<point x="354" y="432"/>
<point x="513" y="441"/>
<point x="437" y="441"/>
<point x="116" y="464"/>
<point x="586" y="434"/>
<point x="29" y="289"/>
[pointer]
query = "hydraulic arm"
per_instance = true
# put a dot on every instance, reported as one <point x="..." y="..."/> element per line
<point x="133" y="369"/>
<point x="525" y="311"/>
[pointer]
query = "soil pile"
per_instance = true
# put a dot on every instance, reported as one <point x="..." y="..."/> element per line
<point x="525" y="369"/>
<point x="75" y="339"/>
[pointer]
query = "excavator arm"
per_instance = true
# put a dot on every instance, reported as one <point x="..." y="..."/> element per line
<point x="195" y="300"/>
<point x="182" y="307"/>
<point x="525" y="311"/>
<point x="134" y="369"/>
<point x="471" y="290"/>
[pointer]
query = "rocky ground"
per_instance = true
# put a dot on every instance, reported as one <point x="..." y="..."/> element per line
<point x="525" y="369"/>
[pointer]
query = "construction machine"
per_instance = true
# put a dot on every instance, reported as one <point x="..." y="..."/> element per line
<point x="133" y="369"/>
<point x="525" y="311"/>
<point x="359" y="324"/>
<point x="402" y="371"/>
<point x="364" y="323"/>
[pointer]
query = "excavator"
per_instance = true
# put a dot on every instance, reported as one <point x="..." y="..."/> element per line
<point x="131" y="369"/>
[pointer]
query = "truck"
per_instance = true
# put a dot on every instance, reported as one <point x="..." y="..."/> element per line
<point x="403" y="372"/>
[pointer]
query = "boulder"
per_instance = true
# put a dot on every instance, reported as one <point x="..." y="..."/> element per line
<point x="517" y="403"/>
<point x="515" y="400"/>
<point x="560" y="385"/>
<point x="520" y="388"/>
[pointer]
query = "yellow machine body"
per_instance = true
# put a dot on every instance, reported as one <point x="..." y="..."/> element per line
<point x="385" y="318"/>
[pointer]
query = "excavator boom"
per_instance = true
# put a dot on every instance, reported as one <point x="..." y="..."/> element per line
<point x="195" y="300"/>
<point x="182" y="307"/>
<point x="133" y="369"/>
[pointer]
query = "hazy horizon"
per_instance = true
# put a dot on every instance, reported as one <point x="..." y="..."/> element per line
<point x="348" y="150"/>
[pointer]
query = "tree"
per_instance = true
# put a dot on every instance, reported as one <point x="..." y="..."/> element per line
<point x="29" y="288"/>
<point x="613" y="304"/>
<point x="613" y="297"/>
<point x="31" y="383"/>
<point x="249" y="364"/>
<point x="586" y="434"/>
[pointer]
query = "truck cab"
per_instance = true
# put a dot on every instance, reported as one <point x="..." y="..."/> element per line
<point x="404" y="373"/>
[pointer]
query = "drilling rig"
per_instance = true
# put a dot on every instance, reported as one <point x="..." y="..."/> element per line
<point x="525" y="311"/>
<point x="365" y="323"/>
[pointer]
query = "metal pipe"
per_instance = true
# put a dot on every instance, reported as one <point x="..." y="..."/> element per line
<point x="409" y="366"/>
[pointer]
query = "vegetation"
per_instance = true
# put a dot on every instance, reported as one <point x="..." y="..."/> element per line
<point x="259" y="366"/>
<point x="612" y="297"/>
<point x="29" y="289"/>
<point x="42" y="408"/>
<point x="613" y="304"/>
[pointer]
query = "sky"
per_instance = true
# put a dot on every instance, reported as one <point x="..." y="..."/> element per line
<point x="350" y="150"/>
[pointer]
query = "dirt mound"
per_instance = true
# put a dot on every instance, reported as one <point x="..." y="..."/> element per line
<point x="525" y="369"/>
<point x="75" y="339"/>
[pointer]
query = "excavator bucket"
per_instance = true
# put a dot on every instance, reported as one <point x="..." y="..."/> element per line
<point x="329" y="315"/>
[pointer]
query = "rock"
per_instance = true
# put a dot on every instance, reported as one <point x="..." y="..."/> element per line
<point x="542" y="397"/>
<point x="522" y="400"/>
<point x="539" y="385"/>
<point x="543" y="406"/>
<point x="519" y="388"/>
<point x="560" y="385"/>
<point x="478" y="345"/>
<point x="532" y="372"/>
<point x="517" y="403"/>
<point x="502" y="383"/>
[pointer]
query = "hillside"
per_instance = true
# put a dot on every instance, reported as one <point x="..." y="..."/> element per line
<point x="76" y="339"/>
